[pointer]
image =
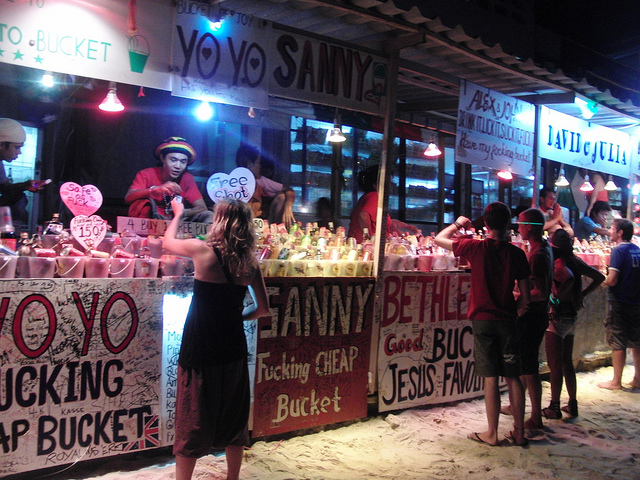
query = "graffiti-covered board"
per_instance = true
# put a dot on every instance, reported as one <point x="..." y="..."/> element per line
<point x="425" y="352"/>
<point x="312" y="353"/>
<point x="79" y="370"/>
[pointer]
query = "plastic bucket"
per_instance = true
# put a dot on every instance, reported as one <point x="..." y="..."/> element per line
<point x="147" y="267"/>
<point x="8" y="266"/>
<point x="42" y="267"/>
<point x="121" y="267"/>
<point x="71" y="267"/>
<point x="96" y="267"/>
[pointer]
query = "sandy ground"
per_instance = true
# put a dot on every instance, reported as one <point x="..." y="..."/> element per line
<point x="429" y="443"/>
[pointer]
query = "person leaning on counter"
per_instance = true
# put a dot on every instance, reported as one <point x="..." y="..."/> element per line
<point x="152" y="190"/>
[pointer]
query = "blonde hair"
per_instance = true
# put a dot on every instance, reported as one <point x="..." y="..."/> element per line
<point x="232" y="233"/>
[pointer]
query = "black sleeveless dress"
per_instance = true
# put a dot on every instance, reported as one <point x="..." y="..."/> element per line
<point x="213" y="393"/>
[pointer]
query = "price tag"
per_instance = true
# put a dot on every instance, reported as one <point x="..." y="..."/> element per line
<point x="88" y="231"/>
<point x="81" y="200"/>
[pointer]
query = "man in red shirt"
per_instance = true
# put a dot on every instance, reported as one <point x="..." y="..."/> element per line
<point x="153" y="188"/>
<point x="496" y="266"/>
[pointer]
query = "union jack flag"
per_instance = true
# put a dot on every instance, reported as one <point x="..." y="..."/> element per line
<point x="150" y="437"/>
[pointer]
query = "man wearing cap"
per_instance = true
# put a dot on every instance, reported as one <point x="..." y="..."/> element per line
<point x="12" y="138"/>
<point x="153" y="188"/>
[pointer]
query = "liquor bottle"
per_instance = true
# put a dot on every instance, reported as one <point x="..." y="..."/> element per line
<point x="144" y="255"/>
<point x="24" y="245"/>
<point x="7" y="232"/>
<point x="54" y="226"/>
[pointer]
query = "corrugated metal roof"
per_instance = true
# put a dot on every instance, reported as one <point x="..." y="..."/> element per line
<point x="435" y="57"/>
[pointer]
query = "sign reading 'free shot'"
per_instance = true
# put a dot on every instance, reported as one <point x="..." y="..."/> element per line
<point x="239" y="184"/>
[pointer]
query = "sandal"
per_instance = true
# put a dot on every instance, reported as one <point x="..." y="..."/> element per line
<point x="571" y="408"/>
<point x="552" y="412"/>
<point x="511" y="437"/>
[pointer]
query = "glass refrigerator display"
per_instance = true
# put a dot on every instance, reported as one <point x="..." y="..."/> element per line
<point x="421" y="184"/>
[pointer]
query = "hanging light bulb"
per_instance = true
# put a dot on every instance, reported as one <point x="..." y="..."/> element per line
<point x="111" y="102"/>
<point x="432" y="150"/>
<point x="505" y="175"/>
<point x="610" y="185"/>
<point x="47" y="79"/>
<point x="586" y="186"/>
<point x="204" y="111"/>
<point x="562" y="180"/>
<point x="335" y="134"/>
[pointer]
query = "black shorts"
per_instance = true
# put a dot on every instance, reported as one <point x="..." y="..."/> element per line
<point x="622" y="325"/>
<point x="531" y="328"/>
<point x="496" y="349"/>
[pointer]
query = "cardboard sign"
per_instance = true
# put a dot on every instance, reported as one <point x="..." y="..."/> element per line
<point x="240" y="184"/>
<point x="88" y="231"/>
<point x="81" y="200"/>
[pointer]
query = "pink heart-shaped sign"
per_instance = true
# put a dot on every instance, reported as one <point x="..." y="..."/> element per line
<point x="88" y="231"/>
<point x="81" y="200"/>
<point x="240" y="184"/>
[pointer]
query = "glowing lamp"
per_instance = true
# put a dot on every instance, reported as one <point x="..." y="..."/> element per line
<point x="111" y="102"/>
<point x="432" y="150"/>
<point x="586" y="186"/>
<point x="505" y="175"/>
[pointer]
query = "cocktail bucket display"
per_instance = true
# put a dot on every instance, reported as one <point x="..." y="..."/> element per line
<point x="147" y="267"/>
<point x="172" y="265"/>
<point x="425" y="262"/>
<point x="121" y="267"/>
<point x="22" y="267"/>
<point x="96" y="267"/>
<point x="71" y="267"/>
<point x="42" y="267"/>
<point x="8" y="266"/>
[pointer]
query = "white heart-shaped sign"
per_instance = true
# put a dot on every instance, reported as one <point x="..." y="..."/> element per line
<point x="240" y="184"/>
<point x="88" y="231"/>
<point x="81" y="200"/>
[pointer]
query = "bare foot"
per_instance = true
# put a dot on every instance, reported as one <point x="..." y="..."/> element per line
<point x="610" y="385"/>
<point x="635" y="384"/>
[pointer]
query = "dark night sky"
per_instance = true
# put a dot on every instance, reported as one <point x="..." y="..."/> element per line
<point x="602" y="25"/>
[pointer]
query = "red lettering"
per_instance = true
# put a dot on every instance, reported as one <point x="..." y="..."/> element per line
<point x="105" y="321"/>
<point x="86" y="320"/>
<point x="32" y="317"/>
<point x="391" y="292"/>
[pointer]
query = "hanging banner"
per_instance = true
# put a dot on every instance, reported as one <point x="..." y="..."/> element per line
<point x="313" y="353"/>
<point x="576" y="142"/>
<point x="107" y="39"/>
<point x="495" y="130"/>
<point x="79" y="370"/>
<point x="316" y="71"/>
<point x="425" y="351"/>
<point x="220" y="55"/>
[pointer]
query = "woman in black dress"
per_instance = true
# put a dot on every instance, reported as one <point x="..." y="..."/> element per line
<point x="212" y="404"/>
